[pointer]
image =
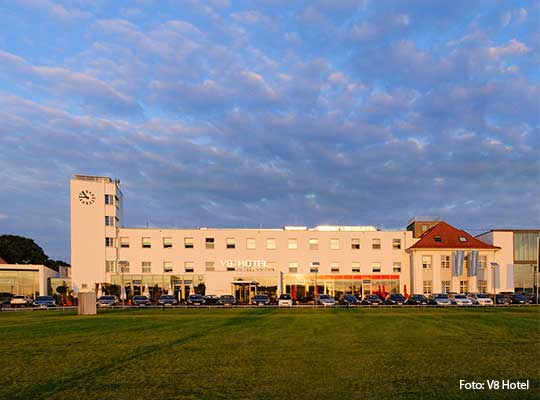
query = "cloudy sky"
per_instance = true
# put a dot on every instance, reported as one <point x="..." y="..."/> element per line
<point x="269" y="113"/>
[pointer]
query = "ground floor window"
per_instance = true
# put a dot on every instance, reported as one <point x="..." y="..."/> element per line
<point x="463" y="286"/>
<point x="181" y="286"/>
<point x="445" y="286"/>
<point x="427" y="287"/>
<point x="482" y="286"/>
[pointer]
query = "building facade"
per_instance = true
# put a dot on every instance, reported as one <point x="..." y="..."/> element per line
<point x="297" y="260"/>
<point x="28" y="279"/>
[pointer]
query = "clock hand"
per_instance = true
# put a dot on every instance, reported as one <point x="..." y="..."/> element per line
<point x="84" y="195"/>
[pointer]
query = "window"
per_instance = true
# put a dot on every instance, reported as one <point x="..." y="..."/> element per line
<point x="167" y="266"/>
<point x="334" y="244"/>
<point x="445" y="262"/>
<point x="376" y="243"/>
<point x="109" y="242"/>
<point x="271" y="244"/>
<point x="437" y="238"/>
<point x="167" y="242"/>
<point x="189" y="266"/>
<point x="396" y="244"/>
<point x="355" y="244"/>
<point x="110" y="221"/>
<point x="426" y="262"/>
<point x="424" y="228"/>
<point x="355" y="267"/>
<point x="482" y="262"/>
<point x="462" y="239"/>
<point x="445" y="286"/>
<point x="188" y="243"/>
<point x="293" y="267"/>
<point x="146" y="243"/>
<point x="463" y="286"/>
<point x="146" y="266"/>
<point x="230" y="243"/>
<point x="209" y="266"/>
<point x="334" y="267"/>
<point x="124" y="242"/>
<point x="375" y="267"/>
<point x="427" y="287"/>
<point x="482" y="286"/>
<point x="397" y="267"/>
<point x="109" y="199"/>
<point x="84" y="286"/>
<point x="314" y="266"/>
<point x="292" y="244"/>
<point x="251" y="244"/>
<point x="314" y="244"/>
<point x="209" y="243"/>
<point x="110" y="266"/>
<point x="123" y="266"/>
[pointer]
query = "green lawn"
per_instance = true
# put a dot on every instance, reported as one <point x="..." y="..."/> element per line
<point x="267" y="353"/>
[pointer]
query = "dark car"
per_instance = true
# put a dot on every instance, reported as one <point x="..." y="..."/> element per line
<point x="534" y="298"/>
<point x="211" y="299"/>
<point x="349" y="299"/>
<point x="5" y="298"/>
<point x="195" y="300"/>
<point x="419" y="300"/>
<point x="167" y="300"/>
<point x="44" y="301"/>
<point x="107" y="301"/>
<point x="305" y="300"/>
<point x="518" y="298"/>
<point x="260" y="300"/>
<point x="227" y="300"/>
<point x="502" y="299"/>
<point x="140" y="301"/>
<point x="371" y="300"/>
<point x="395" y="299"/>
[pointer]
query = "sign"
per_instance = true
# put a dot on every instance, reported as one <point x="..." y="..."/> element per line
<point x="248" y="265"/>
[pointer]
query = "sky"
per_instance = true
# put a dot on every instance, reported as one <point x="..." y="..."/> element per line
<point x="225" y="113"/>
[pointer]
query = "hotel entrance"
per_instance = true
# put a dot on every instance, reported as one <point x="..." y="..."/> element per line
<point x="243" y="291"/>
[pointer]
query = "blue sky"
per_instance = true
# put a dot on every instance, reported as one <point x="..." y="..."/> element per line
<point x="270" y="113"/>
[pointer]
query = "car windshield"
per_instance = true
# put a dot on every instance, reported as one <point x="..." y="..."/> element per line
<point x="19" y="297"/>
<point x="460" y="296"/>
<point x="261" y="296"/>
<point x="324" y="297"/>
<point x="350" y="297"/>
<point x="106" y="298"/>
<point x="373" y="297"/>
<point x="397" y="296"/>
<point x="519" y="296"/>
<point x="42" y="298"/>
<point x="482" y="296"/>
<point x="139" y="297"/>
<point x="227" y="297"/>
<point x="441" y="296"/>
<point x="167" y="297"/>
<point x="195" y="296"/>
<point x="285" y="297"/>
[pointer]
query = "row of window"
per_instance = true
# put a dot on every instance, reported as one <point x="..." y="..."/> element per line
<point x="251" y="243"/>
<point x="189" y="266"/>
<point x="445" y="261"/>
<point x="463" y="286"/>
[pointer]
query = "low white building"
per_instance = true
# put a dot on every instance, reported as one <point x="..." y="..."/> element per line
<point x="29" y="279"/>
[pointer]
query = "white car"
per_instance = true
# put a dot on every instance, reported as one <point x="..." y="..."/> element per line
<point x="285" y="300"/>
<point x="461" y="300"/>
<point x="442" y="299"/>
<point x="20" y="301"/>
<point x="480" y="299"/>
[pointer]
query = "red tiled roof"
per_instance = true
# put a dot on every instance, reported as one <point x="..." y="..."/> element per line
<point x="449" y="239"/>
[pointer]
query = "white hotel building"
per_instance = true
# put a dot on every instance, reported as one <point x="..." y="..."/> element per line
<point x="296" y="260"/>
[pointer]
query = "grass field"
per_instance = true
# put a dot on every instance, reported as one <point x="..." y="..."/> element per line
<point x="268" y="353"/>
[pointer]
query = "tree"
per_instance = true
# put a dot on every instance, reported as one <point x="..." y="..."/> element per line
<point x="20" y="250"/>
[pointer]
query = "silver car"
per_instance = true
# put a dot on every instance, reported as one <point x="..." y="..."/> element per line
<point x="461" y="300"/>
<point x="326" y="300"/>
<point x="20" y="301"/>
<point x="480" y="299"/>
<point x="442" y="299"/>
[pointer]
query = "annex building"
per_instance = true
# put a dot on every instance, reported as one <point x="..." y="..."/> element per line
<point x="429" y="256"/>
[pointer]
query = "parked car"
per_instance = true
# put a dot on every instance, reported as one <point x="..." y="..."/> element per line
<point x="305" y="300"/>
<point x="260" y="300"/>
<point x="20" y="301"/>
<point x="461" y="300"/>
<point x="227" y="300"/>
<point x="195" y="300"/>
<point x="211" y="299"/>
<point x="44" y="301"/>
<point x="140" y="301"/>
<point x="419" y="300"/>
<point x="326" y="300"/>
<point x="285" y="300"/>
<point x="371" y="300"/>
<point x="349" y="299"/>
<point x="502" y="299"/>
<point x="480" y="299"/>
<point x="518" y="298"/>
<point x="442" y="299"/>
<point x="534" y="298"/>
<point x="5" y="298"/>
<point x="395" y="299"/>
<point x="107" y="301"/>
<point x="167" y="300"/>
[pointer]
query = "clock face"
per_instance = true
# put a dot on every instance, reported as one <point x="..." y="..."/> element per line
<point x="87" y="197"/>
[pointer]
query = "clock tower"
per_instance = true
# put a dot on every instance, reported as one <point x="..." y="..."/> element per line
<point x="96" y="215"/>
